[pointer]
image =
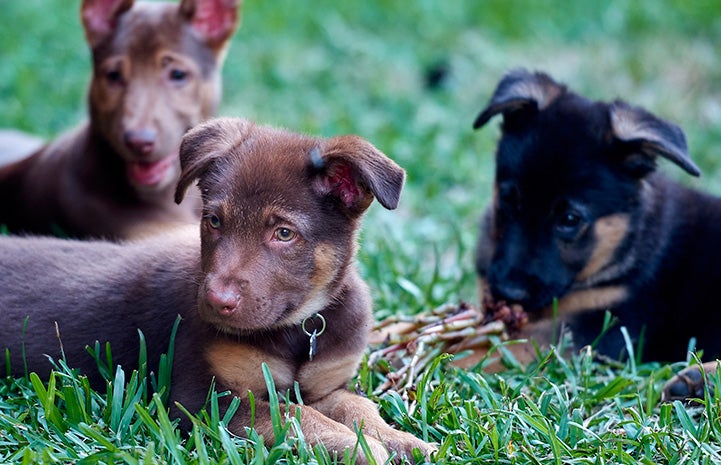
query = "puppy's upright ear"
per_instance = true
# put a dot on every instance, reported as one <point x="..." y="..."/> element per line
<point x="520" y="91"/>
<point x="213" y="21"/>
<point x="353" y="171"/>
<point x="100" y="18"/>
<point x="644" y="137"/>
<point x="204" y="144"/>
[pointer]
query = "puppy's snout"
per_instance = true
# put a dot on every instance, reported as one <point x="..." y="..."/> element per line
<point x="140" y="141"/>
<point x="223" y="301"/>
<point x="510" y="292"/>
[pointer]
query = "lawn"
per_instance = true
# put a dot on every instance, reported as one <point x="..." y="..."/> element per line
<point x="330" y="67"/>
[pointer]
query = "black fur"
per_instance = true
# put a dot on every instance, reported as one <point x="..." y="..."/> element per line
<point x="581" y="215"/>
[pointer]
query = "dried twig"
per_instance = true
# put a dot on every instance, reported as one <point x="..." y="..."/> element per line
<point x="409" y="344"/>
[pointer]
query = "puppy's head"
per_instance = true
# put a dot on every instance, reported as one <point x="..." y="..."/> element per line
<point x="280" y="216"/>
<point x="570" y="176"/>
<point x="156" y="74"/>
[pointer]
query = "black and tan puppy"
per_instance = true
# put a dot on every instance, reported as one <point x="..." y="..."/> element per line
<point x="581" y="215"/>
<point x="274" y="264"/>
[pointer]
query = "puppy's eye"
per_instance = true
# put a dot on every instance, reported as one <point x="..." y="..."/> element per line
<point x="569" y="224"/>
<point x="284" y="234"/>
<point x="178" y="75"/>
<point x="213" y="221"/>
<point x="114" y="76"/>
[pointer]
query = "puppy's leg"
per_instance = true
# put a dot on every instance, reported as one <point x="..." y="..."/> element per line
<point x="317" y="428"/>
<point x="689" y="383"/>
<point x="353" y="410"/>
<point x="237" y="368"/>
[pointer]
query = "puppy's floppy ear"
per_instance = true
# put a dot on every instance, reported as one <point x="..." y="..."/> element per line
<point x="100" y="18"/>
<point x="645" y="137"/>
<point x="520" y="90"/>
<point x="204" y="144"/>
<point x="353" y="171"/>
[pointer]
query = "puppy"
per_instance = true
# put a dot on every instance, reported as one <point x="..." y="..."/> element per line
<point x="271" y="280"/>
<point x="579" y="214"/>
<point x="156" y="74"/>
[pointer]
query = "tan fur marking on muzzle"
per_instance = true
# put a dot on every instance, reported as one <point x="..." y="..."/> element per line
<point x="609" y="232"/>
<point x="599" y="298"/>
<point x="238" y="366"/>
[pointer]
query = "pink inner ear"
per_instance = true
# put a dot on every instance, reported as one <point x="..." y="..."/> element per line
<point x="214" y="19"/>
<point x="99" y="17"/>
<point x="342" y="184"/>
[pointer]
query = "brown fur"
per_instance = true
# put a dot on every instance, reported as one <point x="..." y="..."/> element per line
<point x="277" y="244"/>
<point x="156" y="73"/>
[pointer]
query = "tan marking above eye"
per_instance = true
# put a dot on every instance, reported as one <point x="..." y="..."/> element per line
<point x="608" y="232"/>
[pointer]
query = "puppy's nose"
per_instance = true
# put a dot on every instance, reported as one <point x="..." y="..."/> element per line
<point x="223" y="301"/>
<point x="140" y="141"/>
<point x="510" y="292"/>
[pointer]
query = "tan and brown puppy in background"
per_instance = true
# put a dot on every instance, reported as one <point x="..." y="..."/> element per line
<point x="271" y="280"/>
<point x="156" y="74"/>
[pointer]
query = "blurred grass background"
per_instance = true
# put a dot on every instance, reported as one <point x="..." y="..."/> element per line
<point x="328" y="67"/>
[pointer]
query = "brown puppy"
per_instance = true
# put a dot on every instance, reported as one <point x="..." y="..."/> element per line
<point x="156" y="73"/>
<point x="274" y="264"/>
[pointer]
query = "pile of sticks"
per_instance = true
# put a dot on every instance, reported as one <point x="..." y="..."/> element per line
<point x="409" y="344"/>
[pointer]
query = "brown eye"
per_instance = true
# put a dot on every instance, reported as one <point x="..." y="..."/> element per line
<point x="178" y="75"/>
<point x="213" y="221"/>
<point x="284" y="234"/>
<point x="570" y="224"/>
<point x="114" y="76"/>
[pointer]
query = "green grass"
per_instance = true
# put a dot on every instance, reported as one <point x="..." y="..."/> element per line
<point x="331" y="67"/>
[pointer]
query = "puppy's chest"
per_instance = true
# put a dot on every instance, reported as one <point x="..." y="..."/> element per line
<point x="238" y="365"/>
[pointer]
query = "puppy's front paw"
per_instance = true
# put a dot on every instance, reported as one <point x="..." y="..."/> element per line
<point x="337" y="443"/>
<point x="403" y="443"/>
<point x="379" y="451"/>
<point x="688" y="383"/>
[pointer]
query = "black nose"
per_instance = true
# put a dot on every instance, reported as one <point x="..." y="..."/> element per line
<point x="510" y="292"/>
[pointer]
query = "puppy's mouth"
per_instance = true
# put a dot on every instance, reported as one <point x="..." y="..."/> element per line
<point x="511" y="313"/>
<point x="241" y="321"/>
<point x="148" y="174"/>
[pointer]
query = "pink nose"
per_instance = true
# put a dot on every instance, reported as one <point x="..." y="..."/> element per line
<point x="223" y="301"/>
<point x="140" y="141"/>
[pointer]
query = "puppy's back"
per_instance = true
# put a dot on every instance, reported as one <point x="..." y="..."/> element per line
<point x="93" y="291"/>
